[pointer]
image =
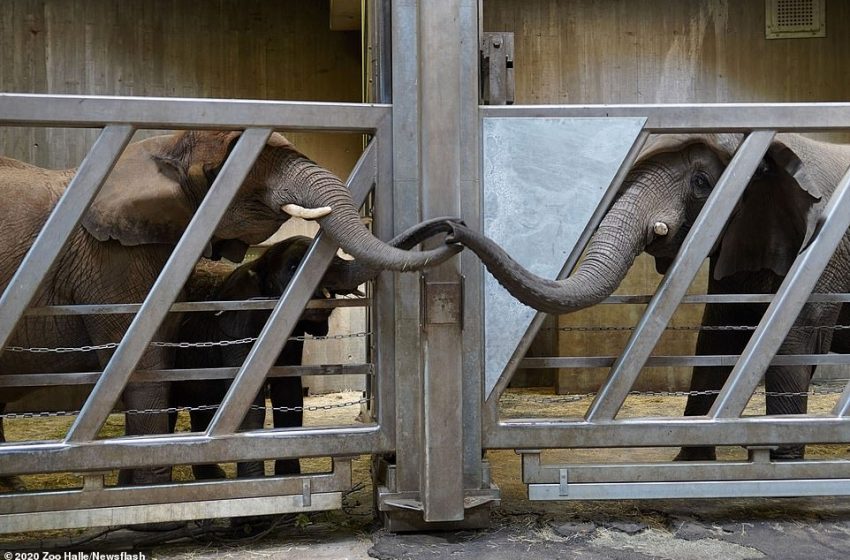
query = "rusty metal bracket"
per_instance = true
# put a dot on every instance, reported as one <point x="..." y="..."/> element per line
<point x="442" y="302"/>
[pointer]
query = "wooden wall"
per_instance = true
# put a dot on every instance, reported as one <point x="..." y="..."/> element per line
<point x="659" y="51"/>
<point x="249" y="49"/>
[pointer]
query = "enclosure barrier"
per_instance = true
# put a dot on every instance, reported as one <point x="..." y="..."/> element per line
<point x="724" y="425"/>
<point x="95" y="504"/>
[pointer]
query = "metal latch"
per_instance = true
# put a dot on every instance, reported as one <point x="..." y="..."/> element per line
<point x="497" y="68"/>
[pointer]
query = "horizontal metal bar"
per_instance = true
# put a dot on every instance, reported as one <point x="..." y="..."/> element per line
<point x="153" y="376"/>
<point x="190" y="306"/>
<point x="718" y="117"/>
<point x="685" y="471"/>
<point x="725" y="298"/>
<point x="157" y="513"/>
<point x="180" y="113"/>
<point x="190" y="448"/>
<point x="117" y="496"/>
<point x="691" y="489"/>
<point x="670" y="361"/>
<point x="667" y="431"/>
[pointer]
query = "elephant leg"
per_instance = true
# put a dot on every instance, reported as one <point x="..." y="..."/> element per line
<point x="707" y="380"/>
<point x="196" y="394"/>
<point x="11" y="482"/>
<point x="254" y="420"/>
<point x="140" y="397"/>
<point x="287" y="392"/>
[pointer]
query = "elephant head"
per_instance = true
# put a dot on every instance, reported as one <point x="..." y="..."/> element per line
<point x="659" y="201"/>
<point x="158" y="183"/>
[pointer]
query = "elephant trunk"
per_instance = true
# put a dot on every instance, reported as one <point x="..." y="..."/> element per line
<point x="346" y="275"/>
<point x="321" y="189"/>
<point x="620" y="238"/>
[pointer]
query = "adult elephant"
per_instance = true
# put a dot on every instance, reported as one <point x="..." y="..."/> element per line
<point x="660" y="198"/>
<point x="130" y="229"/>
<point x="265" y="277"/>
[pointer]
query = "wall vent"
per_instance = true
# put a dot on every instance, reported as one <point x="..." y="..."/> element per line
<point x="790" y="19"/>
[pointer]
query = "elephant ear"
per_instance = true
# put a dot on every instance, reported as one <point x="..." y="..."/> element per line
<point x="142" y="200"/>
<point x="773" y="220"/>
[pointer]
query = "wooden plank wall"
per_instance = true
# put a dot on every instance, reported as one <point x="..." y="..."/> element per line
<point x="249" y="49"/>
<point x="658" y="51"/>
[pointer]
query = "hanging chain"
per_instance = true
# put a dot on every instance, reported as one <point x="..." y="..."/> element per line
<point x="176" y="409"/>
<point x="113" y="345"/>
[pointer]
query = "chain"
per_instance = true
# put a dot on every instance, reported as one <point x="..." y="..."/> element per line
<point x="113" y="345"/>
<point x="176" y="409"/>
<point x="695" y="328"/>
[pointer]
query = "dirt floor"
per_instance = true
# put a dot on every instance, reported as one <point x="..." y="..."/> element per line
<point x="776" y="528"/>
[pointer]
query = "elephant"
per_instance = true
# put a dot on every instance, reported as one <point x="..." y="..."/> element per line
<point x="265" y="277"/>
<point x="656" y="207"/>
<point x="128" y="232"/>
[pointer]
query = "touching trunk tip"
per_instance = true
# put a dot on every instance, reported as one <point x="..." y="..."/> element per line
<point x="306" y="213"/>
<point x="660" y="228"/>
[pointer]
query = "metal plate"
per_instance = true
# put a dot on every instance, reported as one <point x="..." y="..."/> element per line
<point x="542" y="179"/>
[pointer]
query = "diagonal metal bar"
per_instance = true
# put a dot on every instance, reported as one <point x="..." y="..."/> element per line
<point x="167" y="286"/>
<point x="59" y="225"/>
<point x="707" y="227"/>
<point x="492" y="398"/>
<point x="842" y="407"/>
<point x="285" y="315"/>
<point x="785" y="307"/>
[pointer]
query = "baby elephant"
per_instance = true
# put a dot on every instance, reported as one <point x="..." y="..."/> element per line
<point x="267" y="276"/>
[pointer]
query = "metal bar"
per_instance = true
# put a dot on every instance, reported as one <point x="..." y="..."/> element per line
<point x="671" y="361"/>
<point x="173" y="113"/>
<point x="189" y="306"/>
<point x="288" y="310"/>
<point x="154" y="376"/>
<point x="117" y="496"/>
<point x="842" y="407"/>
<point x="726" y="298"/>
<point x="441" y="89"/>
<point x="667" y="431"/>
<point x="700" y="117"/>
<point x="691" y="489"/>
<point x="59" y="226"/>
<point x="707" y="227"/>
<point x="688" y="471"/>
<point x="117" y="372"/>
<point x="783" y="311"/>
<point x="569" y="265"/>
<point x="190" y="448"/>
<point x="175" y="511"/>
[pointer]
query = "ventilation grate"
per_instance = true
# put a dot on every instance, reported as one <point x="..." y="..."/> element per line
<point x="786" y="19"/>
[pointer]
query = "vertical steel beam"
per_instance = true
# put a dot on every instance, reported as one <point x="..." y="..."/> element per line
<point x="60" y="224"/>
<point x="706" y="229"/>
<point x="406" y="212"/>
<point x="441" y="50"/>
<point x="108" y="389"/>
<point x="785" y="307"/>
<point x="286" y="313"/>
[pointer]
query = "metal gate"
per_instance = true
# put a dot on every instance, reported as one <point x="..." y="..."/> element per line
<point x="724" y="425"/>
<point x="81" y="451"/>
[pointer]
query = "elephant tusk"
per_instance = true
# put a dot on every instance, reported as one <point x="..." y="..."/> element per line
<point x="660" y="228"/>
<point x="306" y="213"/>
<point x="327" y="293"/>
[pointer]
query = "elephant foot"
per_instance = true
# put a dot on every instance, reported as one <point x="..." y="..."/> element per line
<point x="208" y="472"/>
<point x="706" y="453"/>
<point x="788" y="453"/>
<point x="287" y="466"/>
<point x="12" y="483"/>
<point x="251" y="469"/>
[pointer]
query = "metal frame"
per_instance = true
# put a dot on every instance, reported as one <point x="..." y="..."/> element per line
<point x="724" y="424"/>
<point x="80" y="451"/>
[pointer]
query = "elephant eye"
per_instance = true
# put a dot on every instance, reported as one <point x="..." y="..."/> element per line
<point x="700" y="184"/>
